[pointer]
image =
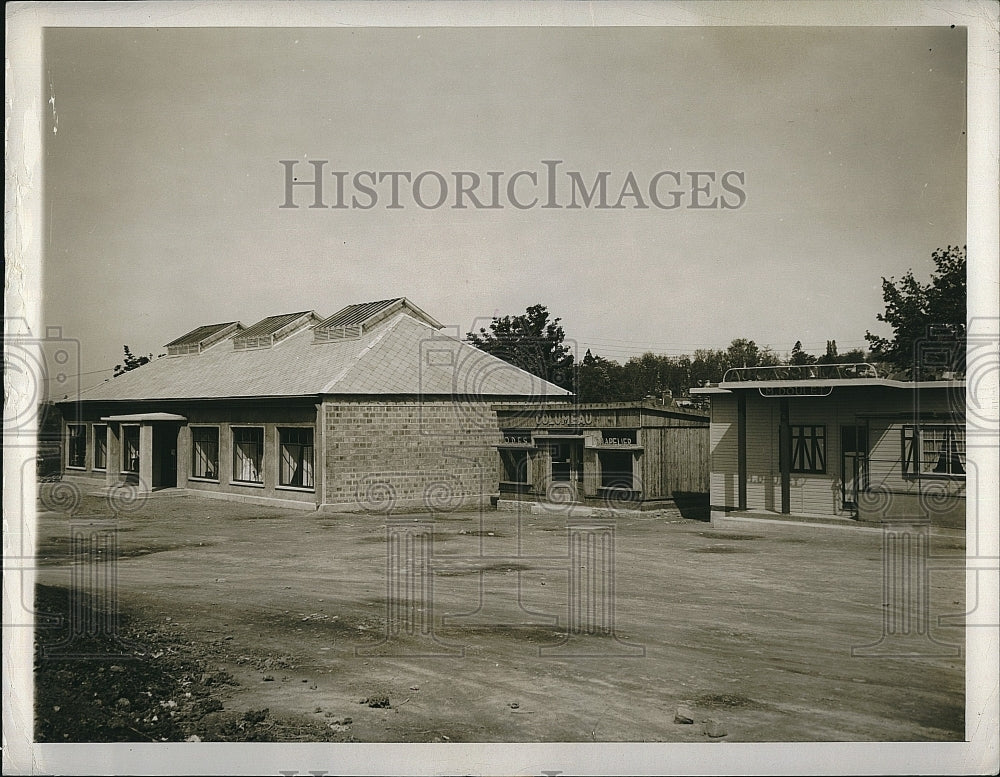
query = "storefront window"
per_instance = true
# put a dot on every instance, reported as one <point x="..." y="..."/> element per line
<point x="515" y="466"/>
<point x="616" y="469"/>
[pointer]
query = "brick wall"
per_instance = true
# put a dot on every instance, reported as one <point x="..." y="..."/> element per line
<point x="409" y="454"/>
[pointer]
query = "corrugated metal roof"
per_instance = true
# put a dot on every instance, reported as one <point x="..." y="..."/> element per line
<point x="270" y="325"/>
<point x="357" y="314"/>
<point x="196" y="336"/>
<point x="401" y="355"/>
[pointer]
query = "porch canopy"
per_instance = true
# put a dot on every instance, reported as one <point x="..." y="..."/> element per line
<point x="132" y="417"/>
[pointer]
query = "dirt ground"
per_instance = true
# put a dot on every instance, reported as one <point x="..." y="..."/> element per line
<point x="240" y="622"/>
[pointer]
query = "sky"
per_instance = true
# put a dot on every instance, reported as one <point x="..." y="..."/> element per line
<point x="163" y="182"/>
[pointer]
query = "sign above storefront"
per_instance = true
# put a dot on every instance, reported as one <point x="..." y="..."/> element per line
<point x="618" y="437"/>
<point x="564" y="418"/>
<point x="796" y="391"/>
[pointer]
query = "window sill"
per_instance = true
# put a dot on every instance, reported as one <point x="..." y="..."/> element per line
<point x="247" y="483"/>
<point x="204" y="480"/>
<point x="78" y="469"/>
<point x="300" y="489"/>
<point x="632" y="494"/>
<point x="514" y="485"/>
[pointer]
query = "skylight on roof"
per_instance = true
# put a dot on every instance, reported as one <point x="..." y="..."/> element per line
<point x="202" y="337"/>
<point x="270" y="330"/>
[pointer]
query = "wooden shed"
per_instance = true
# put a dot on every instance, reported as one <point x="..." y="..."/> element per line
<point x="637" y="455"/>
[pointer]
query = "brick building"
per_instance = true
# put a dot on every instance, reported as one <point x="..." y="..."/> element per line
<point x="372" y="408"/>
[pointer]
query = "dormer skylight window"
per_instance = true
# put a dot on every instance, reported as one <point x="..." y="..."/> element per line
<point x="197" y="340"/>
<point x="266" y="332"/>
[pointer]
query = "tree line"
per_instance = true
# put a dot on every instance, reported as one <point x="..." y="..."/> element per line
<point x="917" y="313"/>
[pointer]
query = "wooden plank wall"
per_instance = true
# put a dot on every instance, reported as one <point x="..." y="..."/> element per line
<point x="675" y="458"/>
<point x="723" y="451"/>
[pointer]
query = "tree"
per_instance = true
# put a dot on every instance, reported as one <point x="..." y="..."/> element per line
<point x="708" y="366"/>
<point x="801" y="357"/>
<point x="131" y="362"/>
<point x="531" y="341"/>
<point x="599" y="379"/>
<point x="918" y="311"/>
<point x="831" y="356"/>
<point x="746" y="353"/>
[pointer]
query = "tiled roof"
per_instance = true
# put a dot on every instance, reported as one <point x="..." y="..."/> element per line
<point x="401" y="355"/>
<point x="200" y="334"/>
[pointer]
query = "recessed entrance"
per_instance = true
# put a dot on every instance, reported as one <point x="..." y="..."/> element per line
<point x="165" y="455"/>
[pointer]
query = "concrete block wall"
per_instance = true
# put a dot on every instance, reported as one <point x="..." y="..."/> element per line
<point x="390" y="455"/>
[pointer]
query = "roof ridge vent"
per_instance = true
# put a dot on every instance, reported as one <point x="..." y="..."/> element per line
<point x="270" y="330"/>
<point x="202" y="337"/>
<point x="351" y="322"/>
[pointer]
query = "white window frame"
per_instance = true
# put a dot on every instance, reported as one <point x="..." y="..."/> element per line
<point x="138" y="449"/>
<point x="105" y="438"/>
<point x="278" y="449"/>
<point x="263" y="455"/>
<point x="218" y="454"/>
<point x="69" y="446"/>
<point x="914" y="453"/>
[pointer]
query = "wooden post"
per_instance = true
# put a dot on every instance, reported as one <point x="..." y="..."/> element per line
<point x="146" y="456"/>
<point x="113" y="469"/>
<point x="785" y="457"/>
<point x="741" y="453"/>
